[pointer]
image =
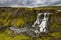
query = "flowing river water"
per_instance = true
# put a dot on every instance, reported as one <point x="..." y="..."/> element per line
<point x="34" y="31"/>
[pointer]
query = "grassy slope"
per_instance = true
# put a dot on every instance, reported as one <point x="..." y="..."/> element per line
<point x="54" y="34"/>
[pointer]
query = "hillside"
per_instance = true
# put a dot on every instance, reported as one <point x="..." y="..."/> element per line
<point x="20" y="17"/>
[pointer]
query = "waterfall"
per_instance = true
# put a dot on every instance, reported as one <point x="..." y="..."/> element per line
<point x="37" y="20"/>
<point x="41" y="25"/>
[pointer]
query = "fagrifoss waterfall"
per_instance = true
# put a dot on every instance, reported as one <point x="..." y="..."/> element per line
<point x="42" y="25"/>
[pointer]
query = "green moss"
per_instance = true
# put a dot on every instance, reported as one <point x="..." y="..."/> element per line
<point x="3" y="36"/>
<point x="24" y="17"/>
<point x="56" y="34"/>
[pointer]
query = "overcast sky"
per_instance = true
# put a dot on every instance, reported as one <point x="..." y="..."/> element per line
<point x="29" y="3"/>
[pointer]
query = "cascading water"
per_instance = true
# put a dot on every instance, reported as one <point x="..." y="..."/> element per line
<point x="41" y="25"/>
<point x="37" y="20"/>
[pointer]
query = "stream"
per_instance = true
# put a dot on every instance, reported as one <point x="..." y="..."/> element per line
<point x="34" y="31"/>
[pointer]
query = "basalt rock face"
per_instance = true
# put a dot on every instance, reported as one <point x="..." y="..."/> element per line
<point x="24" y="18"/>
<point x="58" y="18"/>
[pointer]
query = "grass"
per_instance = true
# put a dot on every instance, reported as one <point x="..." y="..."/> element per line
<point x="28" y="15"/>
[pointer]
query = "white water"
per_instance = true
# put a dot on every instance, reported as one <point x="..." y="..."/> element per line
<point x="18" y="30"/>
<point x="37" y="20"/>
<point x="43" y="24"/>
